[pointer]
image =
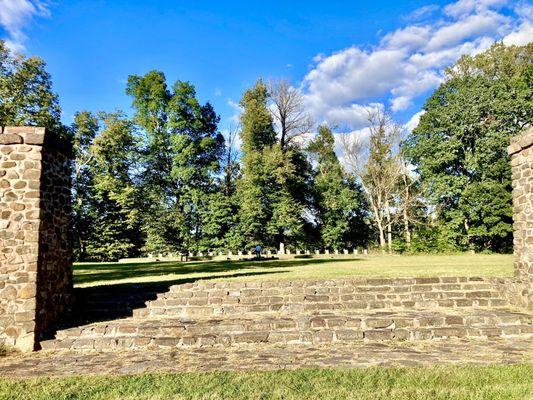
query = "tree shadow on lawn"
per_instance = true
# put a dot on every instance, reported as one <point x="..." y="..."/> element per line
<point x="117" y="271"/>
<point x="108" y="302"/>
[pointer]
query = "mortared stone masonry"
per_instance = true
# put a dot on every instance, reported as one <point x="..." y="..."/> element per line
<point x="520" y="289"/>
<point x="36" y="277"/>
<point x="35" y="254"/>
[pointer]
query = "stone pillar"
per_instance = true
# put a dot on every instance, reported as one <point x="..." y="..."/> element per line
<point x="35" y="252"/>
<point x="521" y="152"/>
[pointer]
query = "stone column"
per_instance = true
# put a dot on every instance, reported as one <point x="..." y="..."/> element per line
<point x="35" y="254"/>
<point x="521" y="152"/>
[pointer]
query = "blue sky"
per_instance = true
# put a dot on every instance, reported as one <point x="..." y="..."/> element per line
<point x="346" y="56"/>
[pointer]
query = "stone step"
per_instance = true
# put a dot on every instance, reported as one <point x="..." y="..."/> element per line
<point x="171" y="307"/>
<point x="220" y="298"/>
<point x="304" y="328"/>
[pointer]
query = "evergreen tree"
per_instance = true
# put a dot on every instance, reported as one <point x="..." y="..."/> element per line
<point x="338" y="205"/>
<point x="106" y="208"/>
<point x="115" y="207"/>
<point x="255" y="188"/>
<point x="84" y="130"/>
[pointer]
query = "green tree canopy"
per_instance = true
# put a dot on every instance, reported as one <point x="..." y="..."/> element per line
<point x="182" y="150"/>
<point x="338" y="199"/>
<point x="26" y="96"/>
<point x="459" y="146"/>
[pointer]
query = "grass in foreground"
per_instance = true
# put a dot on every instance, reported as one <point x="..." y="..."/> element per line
<point x="450" y="383"/>
<point x="302" y="268"/>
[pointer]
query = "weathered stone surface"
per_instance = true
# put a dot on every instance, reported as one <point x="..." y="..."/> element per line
<point x="519" y="290"/>
<point x="8" y="138"/>
<point x="268" y="356"/>
<point x="35" y="256"/>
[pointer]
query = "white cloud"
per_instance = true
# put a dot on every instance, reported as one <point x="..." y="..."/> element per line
<point x="235" y="118"/>
<point x="15" y="15"/>
<point x="464" y="7"/>
<point x="422" y="12"/>
<point x="409" y="62"/>
<point x="413" y="122"/>
<point x="524" y="33"/>
<point x="488" y="23"/>
<point x="520" y="37"/>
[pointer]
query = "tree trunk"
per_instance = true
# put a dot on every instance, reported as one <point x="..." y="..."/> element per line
<point x="389" y="227"/>
<point x="406" y="228"/>
<point x="381" y="234"/>
<point x="379" y="222"/>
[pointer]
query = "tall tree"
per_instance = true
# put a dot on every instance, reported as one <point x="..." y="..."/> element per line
<point x="84" y="129"/>
<point x="182" y="151"/>
<point x="459" y="146"/>
<point x="255" y="188"/>
<point x="26" y="96"/>
<point x="288" y="110"/>
<point x="378" y="170"/>
<point x="338" y="202"/>
<point x="115" y="198"/>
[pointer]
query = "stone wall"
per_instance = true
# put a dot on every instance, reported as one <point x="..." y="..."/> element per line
<point x="519" y="290"/>
<point x="35" y="257"/>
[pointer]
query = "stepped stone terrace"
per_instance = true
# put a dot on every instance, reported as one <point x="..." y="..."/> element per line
<point x="272" y="323"/>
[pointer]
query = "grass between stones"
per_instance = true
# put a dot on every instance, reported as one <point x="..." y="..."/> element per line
<point x="450" y="382"/>
<point x="91" y="274"/>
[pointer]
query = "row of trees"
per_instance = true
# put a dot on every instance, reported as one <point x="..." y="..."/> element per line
<point x="165" y="179"/>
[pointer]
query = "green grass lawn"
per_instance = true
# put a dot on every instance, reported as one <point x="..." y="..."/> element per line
<point x="449" y="382"/>
<point x="446" y="383"/>
<point x="302" y="268"/>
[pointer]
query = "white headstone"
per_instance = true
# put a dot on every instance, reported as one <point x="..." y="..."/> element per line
<point x="160" y="255"/>
<point x="345" y="251"/>
<point x="230" y="253"/>
<point x="365" y="252"/>
<point x="336" y="251"/>
<point x="150" y="255"/>
<point x="317" y="251"/>
<point x="355" y="251"/>
<point x="281" y="248"/>
<point x="239" y="253"/>
<point x="297" y="252"/>
<point x="288" y="251"/>
<point x="326" y="251"/>
<point x="307" y="252"/>
<point x="269" y="252"/>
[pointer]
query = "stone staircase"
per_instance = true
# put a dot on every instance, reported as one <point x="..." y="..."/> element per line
<point x="307" y="312"/>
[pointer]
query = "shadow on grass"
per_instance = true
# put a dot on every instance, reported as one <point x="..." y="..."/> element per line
<point x="104" y="302"/>
<point x="91" y="273"/>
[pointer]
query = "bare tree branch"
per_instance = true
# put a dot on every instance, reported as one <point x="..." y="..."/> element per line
<point x="288" y="110"/>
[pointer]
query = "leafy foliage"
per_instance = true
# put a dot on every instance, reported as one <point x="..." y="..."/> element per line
<point x="459" y="147"/>
<point x="181" y="153"/>
<point x="26" y="96"/>
<point x="166" y="180"/>
<point x="338" y="199"/>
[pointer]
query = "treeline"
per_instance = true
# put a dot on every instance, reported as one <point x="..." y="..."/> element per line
<point x="166" y="179"/>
